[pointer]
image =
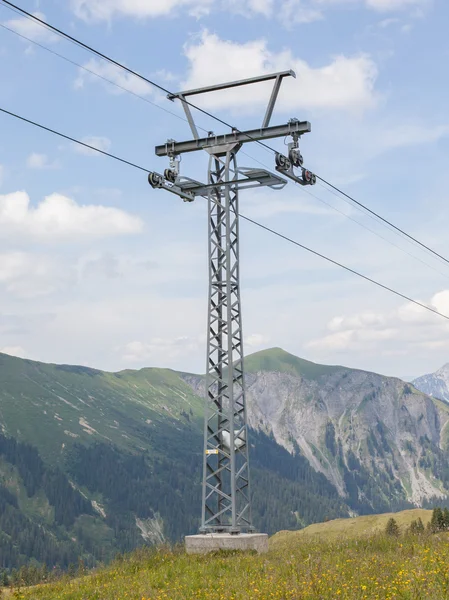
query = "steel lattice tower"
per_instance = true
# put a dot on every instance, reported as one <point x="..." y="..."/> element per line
<point x="226" y="497"/>
<point x="226" y="488"/>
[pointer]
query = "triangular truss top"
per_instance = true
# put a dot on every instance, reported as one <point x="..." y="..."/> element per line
<point x="277" y="77"/>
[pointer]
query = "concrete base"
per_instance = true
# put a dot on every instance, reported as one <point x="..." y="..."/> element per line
<point x="211" y="542"/>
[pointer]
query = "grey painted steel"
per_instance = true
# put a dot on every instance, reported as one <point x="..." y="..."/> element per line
<point x="232" y="84"/>
<point x="235" y="137"/>
<point x="189" y="189"/>
<point x="272" y="102"/>
<point x="202" y="544"/>
<point x="188" y="114"/>
<point x="226" y="497"/>
<point x="226" y="482"/>
<point x="252" y="178"/>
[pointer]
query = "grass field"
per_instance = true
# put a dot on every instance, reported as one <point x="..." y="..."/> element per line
<point x="360" y="565"/>
<point x="351" y="528"/>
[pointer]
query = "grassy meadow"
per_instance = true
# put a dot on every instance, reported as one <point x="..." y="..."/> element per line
<point x="365" y="564"/>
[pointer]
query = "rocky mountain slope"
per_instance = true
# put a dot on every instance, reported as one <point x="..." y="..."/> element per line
<point x="435" y="384"/>
<point x="378" y="440"/>
<point x="102" y="462"/>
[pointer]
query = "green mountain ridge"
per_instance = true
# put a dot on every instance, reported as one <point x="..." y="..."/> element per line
<point x="128" y="445"/>
<point x="123" y="451"/>
<point x="278" y="360"/>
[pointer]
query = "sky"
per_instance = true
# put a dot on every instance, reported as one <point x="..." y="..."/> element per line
<point x="99" y="269"/>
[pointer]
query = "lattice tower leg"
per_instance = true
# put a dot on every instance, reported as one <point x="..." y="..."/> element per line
<point x="226" y="484"/>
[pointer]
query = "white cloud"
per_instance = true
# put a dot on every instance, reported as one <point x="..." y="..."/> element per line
<point x="165" y="75"/>
<point x="97" y="10"/>
<point x="377" y="5"/>
<point x="96" y="68"/>
<point x="297" y="12"/>
<point x="344" y="83"/>
<point x="359" y="321"/>
<point x="251" y="7"/>
<point x="160" y="348"/>
<point x="387" y="22"/>
<point x="441" y="302"/>
<point x="102" y="143"/>
<point x="392" y="5"/>
<point x="412" y="134"/>
<point x="288" y="11"/>
<point x="60" y="217"/>
<point x="13" y="351"/>
<point x="26" y="275"/>
<point x="255" y="340"/>
<point x="262" y="205"/>
<point x="353" y="338"/>
<point x="40" y="161"/>
<point x="32" y="29"/>
<point x="103" y="266"/>
<point x="408" y="324"/>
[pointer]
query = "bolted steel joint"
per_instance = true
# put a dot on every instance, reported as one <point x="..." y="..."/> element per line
<point x="296" y="157"/>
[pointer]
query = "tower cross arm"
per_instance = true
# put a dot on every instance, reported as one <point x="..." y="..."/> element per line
<point x="277" y="77"/>
<point x="235" y="137"/>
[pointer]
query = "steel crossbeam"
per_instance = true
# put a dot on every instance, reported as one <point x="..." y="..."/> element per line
<point x="214" y="143"/>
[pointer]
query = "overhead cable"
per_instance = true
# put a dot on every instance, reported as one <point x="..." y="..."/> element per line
<point x="377" y="215"/>
<point x="260" y="225"/>
<point x="342" y="266"/>
<point x="78" y="42"/>
<point x="72" y="139"/>
<point x="125" y="89"/>
<point x="334" y="208"/>
<point x="94" y="73"/>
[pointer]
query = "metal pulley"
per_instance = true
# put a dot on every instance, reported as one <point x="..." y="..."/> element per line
<point x="170" y="175"/>
<point x="282" y="162"/>
<point x="308" y="177"/>
<point x="155" y="180"/>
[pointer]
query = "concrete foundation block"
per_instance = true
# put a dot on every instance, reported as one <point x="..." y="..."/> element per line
<point x="211" y="542"/>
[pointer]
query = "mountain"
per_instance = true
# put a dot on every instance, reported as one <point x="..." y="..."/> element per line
<point x="381" y="442"/>
<point x="435" y="384"/>
<point x="93" y="463"/>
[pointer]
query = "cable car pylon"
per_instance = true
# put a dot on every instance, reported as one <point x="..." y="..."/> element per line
<point x="226" y="519"/>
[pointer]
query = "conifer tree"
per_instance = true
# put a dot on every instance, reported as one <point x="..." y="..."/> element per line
<point x="446" y="518"/>
<point x="437" y="520"/>
<point x="417" y="527"/>
<point x="5" y="579"/>
<point x="392" y="528"/>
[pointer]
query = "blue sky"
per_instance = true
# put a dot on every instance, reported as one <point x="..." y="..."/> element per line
<point x="97" y="268"/>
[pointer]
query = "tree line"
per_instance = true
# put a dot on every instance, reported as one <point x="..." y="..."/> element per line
<point x="439" y="522"/>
